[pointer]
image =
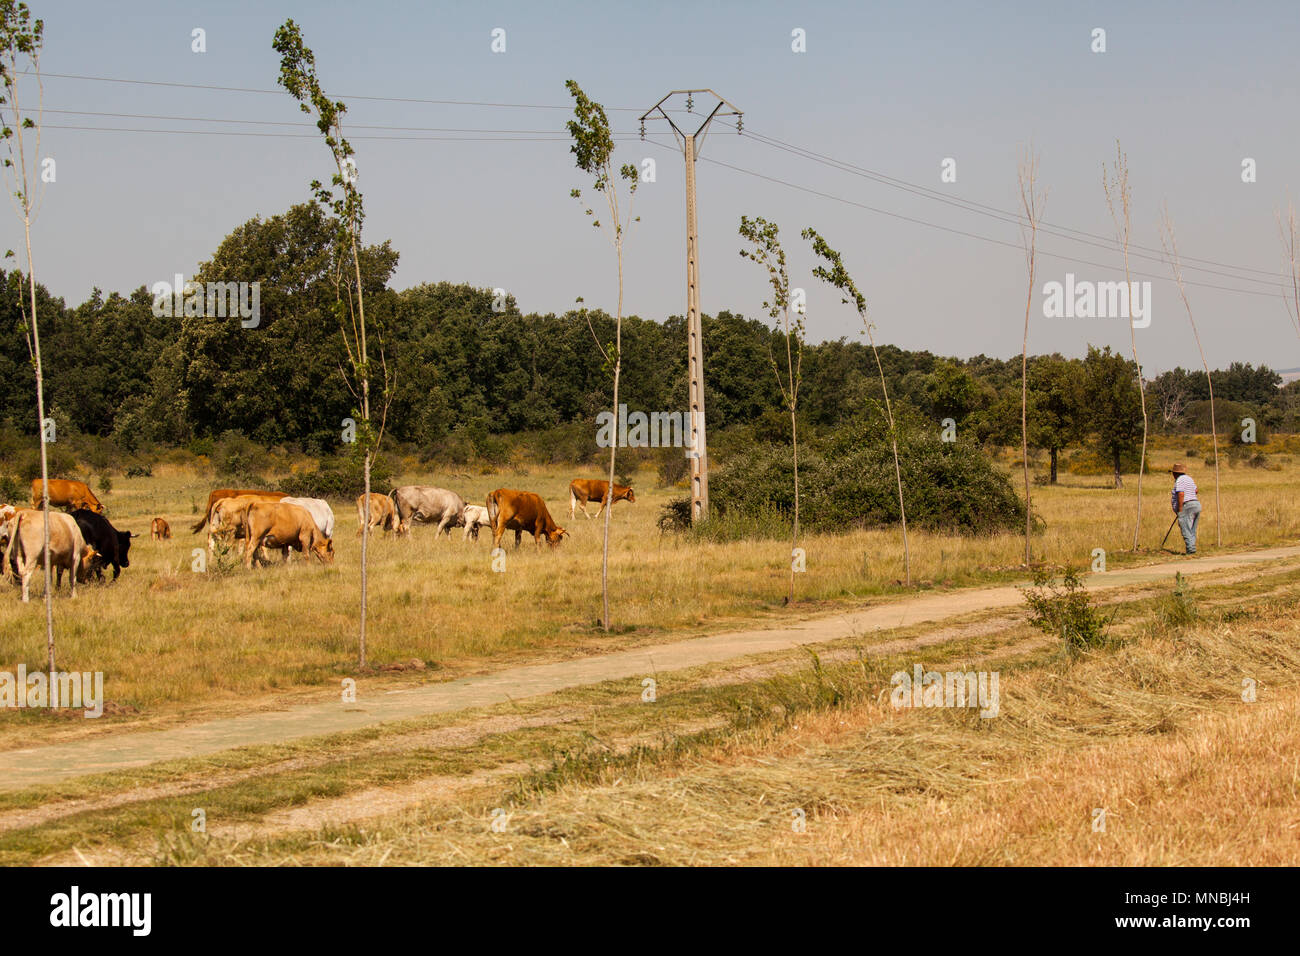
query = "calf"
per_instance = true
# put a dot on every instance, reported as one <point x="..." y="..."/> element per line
<point x="476" y="516"/>
<point x="159" y="529"/>
<point x="111" y="546"/>
<point x="582" y="490"/>
<point x="381" y="514"/>
<point x="521" y="511"/>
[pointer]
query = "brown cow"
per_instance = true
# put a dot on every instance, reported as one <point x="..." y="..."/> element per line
<point x="232" y="493"/>
<point x="382" y="513"/>
<point x="26" y="549"/>
<point x="521" y="511"/>
<point x="279" y="527"/>
<point x="582" y="490"/>
<point x="159" y="529"/>
<point x="67" y="494"/>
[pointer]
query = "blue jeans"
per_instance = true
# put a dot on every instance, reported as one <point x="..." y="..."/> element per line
<point x="1187" y="520"/>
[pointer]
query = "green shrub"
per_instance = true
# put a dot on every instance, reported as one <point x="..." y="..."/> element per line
<point x="1067" y="611"/>
<point x="341" y="477"/>
<point x="1178" y="608"/>
<point x="10" y="490"/>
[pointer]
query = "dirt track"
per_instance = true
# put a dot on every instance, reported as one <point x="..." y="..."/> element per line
<point x="45" y="764"/>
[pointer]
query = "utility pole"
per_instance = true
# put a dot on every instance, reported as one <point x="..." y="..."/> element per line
<point x="691" y="144"/>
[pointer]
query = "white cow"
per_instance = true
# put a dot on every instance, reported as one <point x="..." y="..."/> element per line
<point x="319" y="510"/>
<point x="26" y="549"/>
<point x="429" y="505"/>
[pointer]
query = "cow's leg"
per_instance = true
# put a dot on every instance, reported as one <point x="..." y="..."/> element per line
<point x="518" y="537"/>
<point x="27" y="584"/>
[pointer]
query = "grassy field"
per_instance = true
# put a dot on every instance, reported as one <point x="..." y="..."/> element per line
<point x="173" y="643"/>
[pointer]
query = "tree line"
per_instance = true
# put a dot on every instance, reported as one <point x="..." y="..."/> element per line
<point x="464" y="362"/>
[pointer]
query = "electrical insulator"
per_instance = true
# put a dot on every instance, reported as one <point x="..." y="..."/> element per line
<point x="643" y="129"/>
<point x="740" y="125"/>
<point x="690" y="102"/>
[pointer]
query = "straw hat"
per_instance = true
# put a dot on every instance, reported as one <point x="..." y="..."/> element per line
<point x="1178" y="469"/>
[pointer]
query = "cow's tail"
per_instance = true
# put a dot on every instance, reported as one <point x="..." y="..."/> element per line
<point x="207" y="515"/>
<point x="9" y="552"/>
<point x="492" y="511"/>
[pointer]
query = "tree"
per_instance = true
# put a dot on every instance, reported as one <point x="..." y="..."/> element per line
<point x="1056" y="395"/>
<point x="1115" y="185"/>
<point x="1170" y="242"/>
<point x="1116" y="413"/>
<point x="1032" y="203"/>
<point x="298" y="77"/>
<point x="838" y="276"/>
<point x="1291" y="254"/>
<point x="768" y="253"/>
<point x="21" y="41"/>
<point x="593" y="150"/>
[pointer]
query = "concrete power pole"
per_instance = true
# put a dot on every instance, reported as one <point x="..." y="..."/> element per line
<point x="691" y="143"/>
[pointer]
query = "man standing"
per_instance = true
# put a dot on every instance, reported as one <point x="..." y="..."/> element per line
<point x="1186" y="505"/>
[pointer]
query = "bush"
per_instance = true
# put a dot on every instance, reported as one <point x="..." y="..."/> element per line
<point x="849" y="482"/>
<point x="238" y="460"/>
<point x="1177" y="609"/>
<point x="60" y="462"/>
<point x="139" y="470"/>
<point x="10" y="490"/>
<point x="1067" y="611"/>
<point x="105" y="484"/>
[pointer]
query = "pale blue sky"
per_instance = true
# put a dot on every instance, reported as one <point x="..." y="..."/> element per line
<point x="1190" y="88"/>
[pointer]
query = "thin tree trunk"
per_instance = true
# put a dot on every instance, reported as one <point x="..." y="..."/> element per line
<point x="613" y="447"/>
<point x="794" y="539"/>
<point x="365" y="415"/>
<point x="1053" y="454"/>
<point x="898" y="471"/>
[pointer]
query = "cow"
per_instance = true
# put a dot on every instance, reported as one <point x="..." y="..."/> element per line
<point x="582" y="490"/>
<point x="160" y="530"/>
<point x="67" y="494"/>
<point x="231" y="493"/>
<point x="319" y="509"/>
<point x="26" y="549"/>
<point x="279" y="527"/>
<point x="429" y="505"/>
<point x="475" y="517"/>
<point x="521" y="511"/>
<point x="228" y="517"/>
<point x="382" y="514"/>
<point x="111" y="546"/>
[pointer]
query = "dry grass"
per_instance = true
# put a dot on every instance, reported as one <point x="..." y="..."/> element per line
<point x="1155" y="731"/>
<point x="172" y="642"/>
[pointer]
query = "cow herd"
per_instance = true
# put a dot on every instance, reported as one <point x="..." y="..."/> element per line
<point x="84" y="543"/>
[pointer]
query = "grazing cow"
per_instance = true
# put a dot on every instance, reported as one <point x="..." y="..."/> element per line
<point x="429" y="505"/>
<point x="111" y="546"/>
<point x="231" y="493"/>
<point x="475" y="517"/>
<point x="159" y="529"/>
<point x="582" y="490"/>
<point x="521" y="511"/>
<point x="67" y="494"/>
<point x="26" y="550"/>
<point x="319" y="509"/>
<point x="277" y="526"/>
<point x="382" y="513"/>
<point x="228" y="517"/>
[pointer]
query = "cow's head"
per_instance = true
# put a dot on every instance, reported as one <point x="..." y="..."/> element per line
<point x="555" y="536"/>
<point x="85" y="563"/>
<point x="88" y="503"/>
<point x="124" y="547"/>
<point x="629" y="496"/>
<point x="323" y="548"/>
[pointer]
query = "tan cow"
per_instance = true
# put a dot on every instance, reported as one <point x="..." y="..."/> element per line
<point x="221" y="493"/>
<point x="582" y="490"/>
<point x="279" y="527"/>
<point x="227" y="517"/>
<point x="521" y="511"/>
<point x="26" y="549"/>
<point x="159" y="529"/>
<point x="67" y="494"/>
<point x="382" y="513"/>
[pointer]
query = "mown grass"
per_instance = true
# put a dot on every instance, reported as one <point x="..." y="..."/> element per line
<point x="173" y="644"/>
<point x="1153" y="729"/>
<point x="1157" y="676"/>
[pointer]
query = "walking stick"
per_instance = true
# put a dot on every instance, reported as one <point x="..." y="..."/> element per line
<point x="1167" y="533"/>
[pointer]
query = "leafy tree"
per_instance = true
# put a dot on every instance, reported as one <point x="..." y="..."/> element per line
<point x="298" y="77"/>
<point x="1115" y="417"/>
<point x="1059" y="405"/>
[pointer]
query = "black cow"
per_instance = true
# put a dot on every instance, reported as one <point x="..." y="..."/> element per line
<point x="111" y="546"/>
